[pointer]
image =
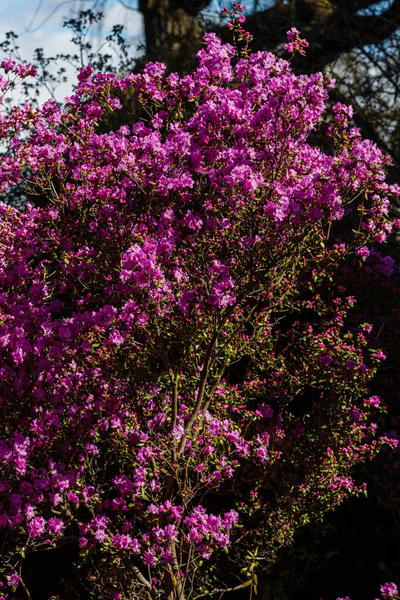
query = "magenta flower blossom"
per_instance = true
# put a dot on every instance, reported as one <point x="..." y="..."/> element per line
<point x="13" y="580"/>
<point x="373" y="401"/>
<point x="55" y="525"/>
<point x="389" y="590"/>
<point x="36" y="527"/>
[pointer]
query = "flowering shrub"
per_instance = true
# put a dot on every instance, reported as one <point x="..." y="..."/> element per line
<point x="180" y="389"/>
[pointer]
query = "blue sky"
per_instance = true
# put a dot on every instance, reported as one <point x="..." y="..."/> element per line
<point x="38" y="24"/>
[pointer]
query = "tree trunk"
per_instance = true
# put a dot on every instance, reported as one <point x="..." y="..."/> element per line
<point x="173" y="31"/>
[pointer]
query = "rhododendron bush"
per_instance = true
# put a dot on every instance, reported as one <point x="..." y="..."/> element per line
<point x="183" y="381"/>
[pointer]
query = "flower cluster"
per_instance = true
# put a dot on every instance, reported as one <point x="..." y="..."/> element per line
<point x="295" y="44"/>
<point x="236" y="26"/>
<point x="178" y="376"/>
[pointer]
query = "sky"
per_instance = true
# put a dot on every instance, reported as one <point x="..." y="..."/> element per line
<point x="38" y="23"/>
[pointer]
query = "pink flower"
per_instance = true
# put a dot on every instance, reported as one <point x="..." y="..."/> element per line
<point x="262" y="454"/>
<point x="292" y="34"/>
<point x="167" y="557"/>
<point x="373" y="401"/>
<point x="364" y="251"/>
<point x="379" y="355"/>
<point x="149" y="558"/>
<point x="125" y="542"/>
<point x="101" y="536"/>
<point x="13" y="580"/>
<point x="116" y="338"/>
<point x="178" y="432"/>
<point x="72" y="497"/>
<point x="7" y="64"/>
<point x="25" y="70"/>
<point x="389" y="590"/>
<point x="55" y="525"/>
<point x="36" y="527"/>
